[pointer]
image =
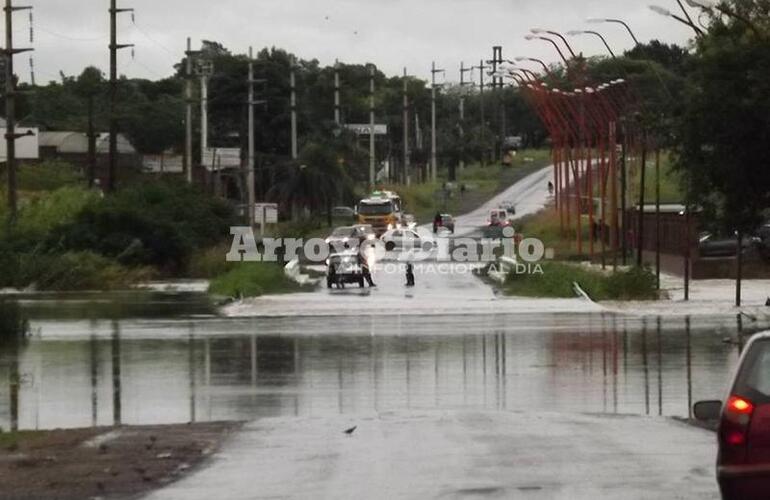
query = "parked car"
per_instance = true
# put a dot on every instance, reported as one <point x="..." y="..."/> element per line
<point x="499" y="218"/>
<point x="448" y="222"/>
<point x="712" y="246"/>
<point x="406" y="239"/>
<point x="344" y="268"/>
<point x="344" y="238"/>
<point x="743" y="460"/>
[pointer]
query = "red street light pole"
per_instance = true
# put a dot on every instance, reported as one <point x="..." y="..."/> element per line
<point x="556" y="45"/>
<point x="595" y="33"/>
<point x="539" y="31"/>
<point x="616" y="21"/>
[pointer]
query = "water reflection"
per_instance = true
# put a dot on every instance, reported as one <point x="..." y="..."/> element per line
<point x="131" y="372"/>
<point x="14" y="329"/>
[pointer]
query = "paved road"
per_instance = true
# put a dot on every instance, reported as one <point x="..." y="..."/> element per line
<point x="441" y="289"/>
<point x="424" y="455"/>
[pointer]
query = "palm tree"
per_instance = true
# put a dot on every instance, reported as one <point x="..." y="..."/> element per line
<point x="315" y="182"/>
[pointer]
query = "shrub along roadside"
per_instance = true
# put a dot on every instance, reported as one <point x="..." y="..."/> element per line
<point x="557" y="279"/>
<point x="253" y="279"/>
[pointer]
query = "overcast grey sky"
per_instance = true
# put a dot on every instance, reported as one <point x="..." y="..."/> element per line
<point x="71" y="34"/>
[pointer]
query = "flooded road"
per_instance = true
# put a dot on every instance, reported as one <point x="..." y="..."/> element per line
<point x="198" y="367"/>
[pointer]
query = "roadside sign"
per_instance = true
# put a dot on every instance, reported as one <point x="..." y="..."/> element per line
<point x="265" y="213"/>
<point x="365" y="128"/>
<point x="219" y="158"/>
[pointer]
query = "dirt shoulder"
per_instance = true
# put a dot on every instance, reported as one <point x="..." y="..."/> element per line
<point x="104" y="462"/>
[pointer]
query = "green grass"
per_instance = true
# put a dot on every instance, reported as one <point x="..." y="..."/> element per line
<point x="558" y="277"/>
<point x="670" y="183"/>
<point x="10" y="441"/>
<point x="253" y="279"/>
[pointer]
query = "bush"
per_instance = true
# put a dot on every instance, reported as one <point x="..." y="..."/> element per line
<point x="148" y="225"/>
<point x="252" y="279"/>
<point x="48" y="175"/>
<point x="74" y="271"/>
<point x="558" y="278"/>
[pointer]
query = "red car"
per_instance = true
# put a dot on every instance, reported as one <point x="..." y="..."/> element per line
<point x="743" y="462"/>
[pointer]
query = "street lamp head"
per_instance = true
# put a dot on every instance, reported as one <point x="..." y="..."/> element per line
<point x="538" y="31"/>
<point x="703" y="4"/>
<point x="529" y="37"/>
<point x="519" y="59"/>
<point x="660" y="10"/>
<point x="575" y="32"/>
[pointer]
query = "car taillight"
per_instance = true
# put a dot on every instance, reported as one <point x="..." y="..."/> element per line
<point x="736" y="420"/>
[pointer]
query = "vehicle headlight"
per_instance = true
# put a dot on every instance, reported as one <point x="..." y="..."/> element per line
<point x="345" y="240"/>
<point x="328" y="240"/>
<point x="370" y="237"/>
<point x="390" y="227"/>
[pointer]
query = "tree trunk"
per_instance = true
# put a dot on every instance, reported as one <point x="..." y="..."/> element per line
<point x="739" y="270"/>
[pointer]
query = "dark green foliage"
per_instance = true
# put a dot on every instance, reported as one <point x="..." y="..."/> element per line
<point x="725" y="128"/>
<point x="156" y="224"/>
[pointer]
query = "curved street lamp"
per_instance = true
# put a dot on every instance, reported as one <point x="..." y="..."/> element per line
<point x="615" y="21"/>
<point x="556" y="45"/>
<point x="535" y="60"/>
<point x="595" y="33"/>
<point x="540" y="31"/>
<point x="667" y="13"/>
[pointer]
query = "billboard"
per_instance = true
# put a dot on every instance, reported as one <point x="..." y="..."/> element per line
<point x="163" y="163"/>
<point x="219" y="158"/>
<point x="27" y="147"/>
<point x="364" y="128"/>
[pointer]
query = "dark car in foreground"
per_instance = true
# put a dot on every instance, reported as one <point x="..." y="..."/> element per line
<point x="743" y="460"/>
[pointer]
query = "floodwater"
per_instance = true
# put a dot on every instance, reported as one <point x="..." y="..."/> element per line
<point x="165" y="358"/>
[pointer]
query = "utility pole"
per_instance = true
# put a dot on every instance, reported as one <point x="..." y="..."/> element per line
<point x="293" y="85"/>
<point x="407" y="176"/>
<point x="337" y="117"/>
<point x="189" y="113"/>
<point x="10" y="110"/>
<point x="372" y="159"/>
<point x="205" y="69"/>
<point x="482" y="68"/>
<point x="114" y="47"/>
<point x="91" y="142"/>
<point x="463" y="83"/>
<point x="250" y="175"/>
<point x="433" y="159"/>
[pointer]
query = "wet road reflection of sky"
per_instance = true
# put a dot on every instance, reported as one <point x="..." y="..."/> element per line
<point x="134" y="371"/>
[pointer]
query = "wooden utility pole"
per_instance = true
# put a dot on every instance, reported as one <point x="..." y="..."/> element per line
<point x="188" y="143"/>
<point x="433" y="142"/>
<point x="337" y="114"/>
<point x="114" y="47"/>
<point x="10" y="110"/>
<point x="463" y="83"/>
<point x="482" y="68"/>
<point x="293" y="84"/>
<point x="372" y="158"/>
<point x="252" y="155"/>
<point x="91" y="143"/>
<point x="407" y="176"/>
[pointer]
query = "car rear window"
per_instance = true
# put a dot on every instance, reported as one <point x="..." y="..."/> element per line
<point x="754" y="376"/>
